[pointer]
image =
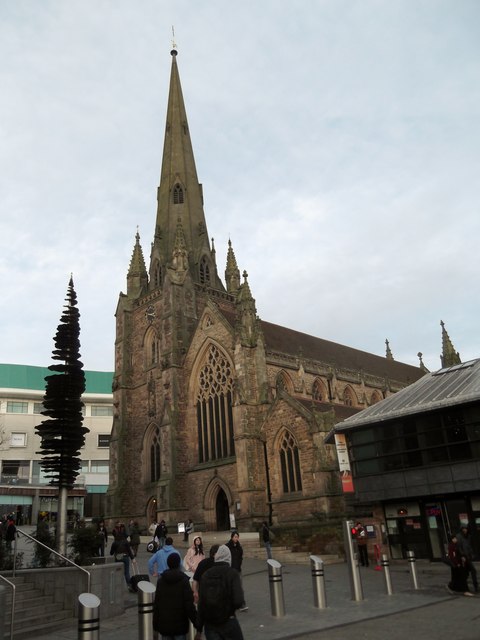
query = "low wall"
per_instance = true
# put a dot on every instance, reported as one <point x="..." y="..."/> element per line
<point x="67" y="583"/>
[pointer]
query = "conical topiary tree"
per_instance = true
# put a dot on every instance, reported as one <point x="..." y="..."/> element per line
<point x="63" y="434"/>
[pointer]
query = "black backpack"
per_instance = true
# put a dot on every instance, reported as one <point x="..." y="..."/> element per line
<point x="215" y="600"/>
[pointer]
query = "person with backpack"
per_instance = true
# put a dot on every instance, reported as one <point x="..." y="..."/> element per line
<point x="220" y="595"/>
<point x="173" y="605"/>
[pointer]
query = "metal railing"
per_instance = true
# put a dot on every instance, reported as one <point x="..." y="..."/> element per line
<point x="55" y="553"/>
<point x="12" y="612"/>
<point x="14" y="569"/>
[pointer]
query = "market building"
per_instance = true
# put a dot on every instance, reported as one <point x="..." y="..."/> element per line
<point x="414" y="460"/>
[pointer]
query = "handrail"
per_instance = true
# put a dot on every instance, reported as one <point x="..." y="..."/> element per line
<point x="12" y="612"/>
<point x="89" y="577"/>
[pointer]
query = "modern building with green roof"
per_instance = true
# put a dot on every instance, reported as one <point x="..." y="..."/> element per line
<point x="23" y="488"/>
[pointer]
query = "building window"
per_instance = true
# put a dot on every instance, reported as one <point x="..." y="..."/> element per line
<point x="155" y="458"/>
<point x="15" y="472"/>
<point x="100" y="411"/>
<point x="38" y="407"/>
<point x="18" y="440"/>
<point x="214" y="408"/>
<point x="178" y="197"/>
<point x="204" y="271"/>
<point x="99" y="466"/>
<point x="348" y="397"/>
<point x="317" y="391"/>
<point x="151" y="347"/>
<point x="290" y="463"/>
<point x="104" y="440"/>
<point x="15" y="406"/>
<point x="375" y="398"/>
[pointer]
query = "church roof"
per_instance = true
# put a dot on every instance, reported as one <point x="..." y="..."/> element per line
<point x="289" y="341"/>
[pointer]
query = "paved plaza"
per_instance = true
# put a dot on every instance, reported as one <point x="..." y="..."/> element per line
<point x="428" y="612"/>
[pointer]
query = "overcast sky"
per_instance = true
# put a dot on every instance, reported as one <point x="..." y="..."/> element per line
<point x="338" y="143"/>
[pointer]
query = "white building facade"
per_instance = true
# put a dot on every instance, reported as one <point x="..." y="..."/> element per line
<point x="24" y="490"/>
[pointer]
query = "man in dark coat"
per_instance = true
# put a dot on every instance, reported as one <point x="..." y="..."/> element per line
<point x="220" y="621"/>
<point x="236" y="550"/>
<point x="465" y="548"/>
<point x="173" y="606"/>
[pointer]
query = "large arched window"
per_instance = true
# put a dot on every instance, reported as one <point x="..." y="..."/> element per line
<point x="214" y="408"/>
<point x="290" y="463"/>
<point x="154" y="450"/>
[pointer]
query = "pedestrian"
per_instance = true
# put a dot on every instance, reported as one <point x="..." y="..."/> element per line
<point x="10" y="533"/>
<point x="134" y="533"/>
<point x="220" y="595"/>
<point x="236" y="550"/>
<point x="194" y="555"/>
<point x="122" y="551"/>
<point x="158" y="561"/>
<point x="189" y="528"/>
<point x="102" y="538"/>
<point x="267" y="536"/>
<point x="465" y="548"/>
<point x="161" y="533"/>
<point x="362" y="544"/>
<point x="458" y="579"/>
<point x="204" y="565"/>
<point x="173" y="606"/>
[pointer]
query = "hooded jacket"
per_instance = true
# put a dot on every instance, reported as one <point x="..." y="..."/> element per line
<point x="173" y="606"/>
<point x="160" y="559"/>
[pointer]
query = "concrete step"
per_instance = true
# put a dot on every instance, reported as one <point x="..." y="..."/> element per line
<point x="28" y="628"/>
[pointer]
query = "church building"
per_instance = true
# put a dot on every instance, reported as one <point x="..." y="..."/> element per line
<point x="220" y="416"/>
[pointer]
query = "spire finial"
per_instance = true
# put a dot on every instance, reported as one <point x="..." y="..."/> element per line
<point x="174" y="45"/>
<point x="449" y="356"/>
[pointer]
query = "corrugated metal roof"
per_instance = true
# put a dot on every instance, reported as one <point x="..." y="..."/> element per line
<point x="20" y="376"/>
<point x="459" y="384"/>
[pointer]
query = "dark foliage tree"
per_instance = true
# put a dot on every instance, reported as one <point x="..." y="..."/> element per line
<point x="63" y="434"/>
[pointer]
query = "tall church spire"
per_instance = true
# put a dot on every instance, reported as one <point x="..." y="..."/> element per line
<point x="232" y="272"/>
<point x="180" y="197"/>
<point x="449" y="356"/>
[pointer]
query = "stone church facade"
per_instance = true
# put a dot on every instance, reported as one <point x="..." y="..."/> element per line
<point x="217" y="413"/>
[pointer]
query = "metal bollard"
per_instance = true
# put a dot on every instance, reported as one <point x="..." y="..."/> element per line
<point x="146" y="593"/>
<point x="277" y="601"/>
<point x="318" y="581"/>
<point x="88" y="616"/>
<point x="386" y="568"/>
<point x="413" y="568"/>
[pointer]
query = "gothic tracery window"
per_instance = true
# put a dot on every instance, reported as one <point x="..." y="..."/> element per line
<point x="151" y="348"/>
<point x="155" y="455"/>
<point x="290" y="463"/>
<point x="214" y="408"/>
<point x="204" y="271"/>
<point x="348" y="397"/>
<point x="317" y="391"/>
<point x="178" y="195"/>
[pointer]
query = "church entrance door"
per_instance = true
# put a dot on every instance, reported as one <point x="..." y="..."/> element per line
<point x="221" y="511"/>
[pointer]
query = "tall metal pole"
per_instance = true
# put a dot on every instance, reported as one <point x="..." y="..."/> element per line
<point x="318" y="581"/>
<point x="352" y="561"/>
<point x="413" y="568"/>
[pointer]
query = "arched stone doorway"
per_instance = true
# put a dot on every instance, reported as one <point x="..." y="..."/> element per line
<point x="151" y="511"/>
<point x="222" y="513"/>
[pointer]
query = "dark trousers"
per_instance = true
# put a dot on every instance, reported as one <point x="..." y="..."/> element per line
<point x="363" y="555"/>
<point x="470" y="567"/>
<point x="230" y="630"/>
